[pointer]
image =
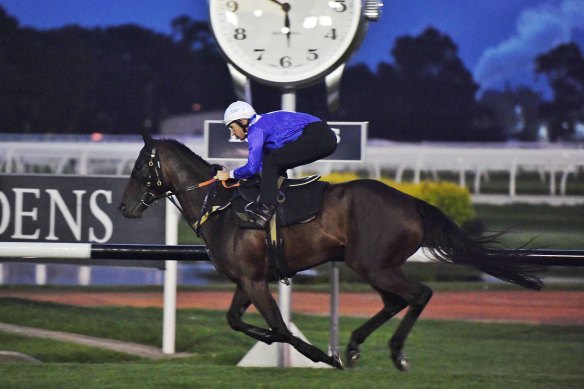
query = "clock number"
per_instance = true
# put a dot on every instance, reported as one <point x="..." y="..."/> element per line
<point x="240" y="34"/>
<point x="332" y="34"/>
<point x="260" y="53"/>
<point x="285" y="62"/>
<point x="232" y="6"/>
<point x="339" y="5"/>
<point x="312" y="55"/>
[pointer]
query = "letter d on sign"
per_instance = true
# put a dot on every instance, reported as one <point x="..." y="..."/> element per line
<point x="4" y="213"/>
<point x="19" y="213"/>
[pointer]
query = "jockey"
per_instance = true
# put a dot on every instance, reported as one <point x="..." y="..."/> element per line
<point x="277" y="141"/>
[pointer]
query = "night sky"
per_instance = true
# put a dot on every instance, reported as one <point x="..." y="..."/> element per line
<point x="497" y="39"/>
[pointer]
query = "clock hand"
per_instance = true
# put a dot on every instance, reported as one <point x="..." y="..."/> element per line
<point x="286" y="8"/>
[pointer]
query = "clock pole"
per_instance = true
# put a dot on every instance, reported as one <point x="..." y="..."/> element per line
<point x="285" y="291"/>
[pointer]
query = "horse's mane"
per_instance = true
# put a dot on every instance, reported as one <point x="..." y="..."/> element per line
<point x="183" y="149"/>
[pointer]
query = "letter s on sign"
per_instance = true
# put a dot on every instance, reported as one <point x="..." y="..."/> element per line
<point x="101" y="216"/>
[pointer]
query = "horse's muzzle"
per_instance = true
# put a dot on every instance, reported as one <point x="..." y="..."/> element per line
<point x="133" y="213"/>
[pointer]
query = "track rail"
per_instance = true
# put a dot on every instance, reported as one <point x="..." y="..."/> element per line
<point x="86" y="253"/>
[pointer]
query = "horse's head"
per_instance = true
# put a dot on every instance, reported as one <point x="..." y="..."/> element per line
<point x="164" y="167"/>
<point x="146" y="182"/>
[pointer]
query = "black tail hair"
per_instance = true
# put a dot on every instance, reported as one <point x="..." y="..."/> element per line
<point x="448" y="243"/>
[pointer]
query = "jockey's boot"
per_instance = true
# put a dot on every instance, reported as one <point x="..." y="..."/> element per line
<point x="261" y="213"/>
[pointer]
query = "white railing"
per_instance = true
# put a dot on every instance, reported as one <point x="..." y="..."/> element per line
<point x="479" y="160"/>
<point x="555" y="164"/>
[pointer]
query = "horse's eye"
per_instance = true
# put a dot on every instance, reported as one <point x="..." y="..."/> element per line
<point x="141" y="163"/>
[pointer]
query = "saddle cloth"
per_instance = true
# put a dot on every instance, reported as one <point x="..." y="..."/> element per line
<point x="299" y="200"/>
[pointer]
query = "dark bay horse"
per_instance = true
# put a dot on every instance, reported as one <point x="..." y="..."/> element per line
<point x="370" y="226"/>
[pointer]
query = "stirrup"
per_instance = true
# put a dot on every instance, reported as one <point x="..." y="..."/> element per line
<point x="285" y="281"/>
<point x="260" y="214"/>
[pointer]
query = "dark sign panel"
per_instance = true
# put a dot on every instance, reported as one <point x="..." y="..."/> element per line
<point x="351" y="137"/>
<point x="73" y="209"/>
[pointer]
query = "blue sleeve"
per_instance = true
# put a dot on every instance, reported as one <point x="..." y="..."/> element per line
<point x="255" y="141"/>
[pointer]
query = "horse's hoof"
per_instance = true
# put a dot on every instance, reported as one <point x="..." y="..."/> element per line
<point x="353" y="356"/>
<point x="337" y="362"/>
<point x="400" y="361"/>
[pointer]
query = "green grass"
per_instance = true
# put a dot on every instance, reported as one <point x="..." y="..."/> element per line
<point x="60" y="352"/>
<point x="541" y="225"/>
<point x="443" y="354"/>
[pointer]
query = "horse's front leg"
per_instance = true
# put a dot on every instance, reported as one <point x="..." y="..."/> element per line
<point x="239" y="305"/>
<point x="260" y="296"/>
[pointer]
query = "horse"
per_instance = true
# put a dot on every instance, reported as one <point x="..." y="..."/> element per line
<point x="372" y="227"/>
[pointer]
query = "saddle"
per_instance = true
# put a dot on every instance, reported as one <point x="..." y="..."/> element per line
<point x="299" y="200"/>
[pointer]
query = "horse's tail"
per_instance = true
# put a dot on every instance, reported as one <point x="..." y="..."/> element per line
<point x="448" y="243"/>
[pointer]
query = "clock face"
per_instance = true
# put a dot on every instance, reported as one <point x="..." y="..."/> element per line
<point x="285" y="42"/>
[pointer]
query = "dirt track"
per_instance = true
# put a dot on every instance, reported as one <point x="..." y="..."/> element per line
<point x="547" y="307"/>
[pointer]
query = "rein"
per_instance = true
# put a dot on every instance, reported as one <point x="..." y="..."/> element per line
<point x="208" y="182"/>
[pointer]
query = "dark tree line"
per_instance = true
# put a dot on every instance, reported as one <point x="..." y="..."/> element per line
<point x="114" y="80"/>
<point x="426" y="94"/>
<point x="122" y="79"/>
<point x="564" y="69"/>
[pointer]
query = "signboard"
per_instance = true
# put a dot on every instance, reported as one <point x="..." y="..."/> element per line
<point x="351" y="138"/>
<point x="71" y="209"/>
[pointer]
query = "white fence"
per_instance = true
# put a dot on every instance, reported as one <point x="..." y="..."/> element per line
<point x="556" y="164"/>
<point x="87" y="158"/>
<point x="481" y="160"/>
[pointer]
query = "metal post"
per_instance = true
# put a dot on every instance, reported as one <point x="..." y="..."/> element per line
<point x="512" y="177"/>
<point x="285" y="303"/>
<point x="289" y="100"/>
<point x="40" y="274"/>
<point x="334" y="315"/>
<point x="285" y="292"/>
<point x="170" y="282"/>
<point x="84" y="276"/>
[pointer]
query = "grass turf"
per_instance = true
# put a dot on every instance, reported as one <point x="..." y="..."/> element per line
<point x="444" y="354"/>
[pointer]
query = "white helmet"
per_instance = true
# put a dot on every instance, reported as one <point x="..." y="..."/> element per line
<point x="238" y="110"/>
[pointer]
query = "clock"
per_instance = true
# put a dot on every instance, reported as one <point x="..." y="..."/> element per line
<point x="289" y="43"/>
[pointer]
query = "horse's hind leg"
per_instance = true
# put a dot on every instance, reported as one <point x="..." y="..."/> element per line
<point x="396" y="343"/>
<point x="391" y="307"/>
<point x="397" y="293"/>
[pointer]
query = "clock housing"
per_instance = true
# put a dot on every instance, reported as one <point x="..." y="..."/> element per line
<point x="287" y="43"/>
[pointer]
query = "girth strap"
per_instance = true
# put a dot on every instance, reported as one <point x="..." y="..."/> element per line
<point x="276" y="254"/>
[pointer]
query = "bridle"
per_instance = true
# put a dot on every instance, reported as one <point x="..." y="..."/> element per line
<point x="152" y="180"/>
<point x="155" y="179"/>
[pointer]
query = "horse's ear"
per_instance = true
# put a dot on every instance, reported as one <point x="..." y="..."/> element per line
<point x="148" y="140"/>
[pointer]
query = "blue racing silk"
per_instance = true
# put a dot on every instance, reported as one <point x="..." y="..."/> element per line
<point x="271" y="130"/>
